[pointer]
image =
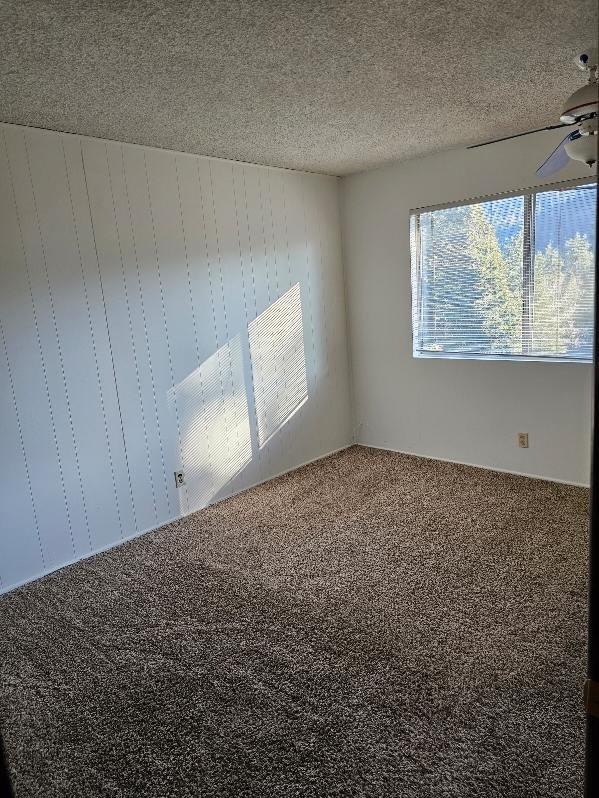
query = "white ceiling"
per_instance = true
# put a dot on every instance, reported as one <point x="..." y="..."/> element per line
<point x="331" y="86"/>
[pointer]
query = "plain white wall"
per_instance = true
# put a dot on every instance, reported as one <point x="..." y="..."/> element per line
<point x="158" y="311"/>
<point x="462" y="410"/>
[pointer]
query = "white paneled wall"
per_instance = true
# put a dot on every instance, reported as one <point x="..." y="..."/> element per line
<point x="158" y="312"/>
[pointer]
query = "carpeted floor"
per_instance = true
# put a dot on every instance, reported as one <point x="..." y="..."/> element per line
<point x="370" y="625"/>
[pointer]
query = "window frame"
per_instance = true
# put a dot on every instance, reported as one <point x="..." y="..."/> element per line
<point x="529" y="199"/>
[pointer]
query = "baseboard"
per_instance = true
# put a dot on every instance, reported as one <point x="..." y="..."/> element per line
<point x="13" y="586"/>
<point x="101" y="550"/>
<point x="274" y="476"/>
<point x="475" y="465"/>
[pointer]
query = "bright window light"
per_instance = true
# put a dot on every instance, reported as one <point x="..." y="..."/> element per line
<point x="509" y="277"/>
<point x="276" y="339"/>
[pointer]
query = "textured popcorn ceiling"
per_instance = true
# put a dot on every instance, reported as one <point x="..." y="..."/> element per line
<point x="326" y="86"/>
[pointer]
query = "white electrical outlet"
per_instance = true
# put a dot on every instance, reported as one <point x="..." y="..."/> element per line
<point x="523" y="440"/>
<point x="179" y="479"/>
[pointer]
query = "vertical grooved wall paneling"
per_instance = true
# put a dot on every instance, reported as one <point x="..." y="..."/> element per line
<point x="62" y="460"/>
<point x="158" y="312"/>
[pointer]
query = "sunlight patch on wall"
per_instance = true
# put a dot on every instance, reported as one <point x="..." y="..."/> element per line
<point x="214" y="425"/>
<point x="276" y="339"/>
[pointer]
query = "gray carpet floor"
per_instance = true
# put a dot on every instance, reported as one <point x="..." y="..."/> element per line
<point x="370" y="625"/>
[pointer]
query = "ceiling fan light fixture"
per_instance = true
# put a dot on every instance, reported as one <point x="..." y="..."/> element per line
<point x="584" y="146"/>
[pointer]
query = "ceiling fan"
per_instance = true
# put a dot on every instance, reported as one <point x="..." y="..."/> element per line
<point x="580" y="110"/>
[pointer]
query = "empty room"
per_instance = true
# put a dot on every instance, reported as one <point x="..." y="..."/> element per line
<point x="297" y="379"/>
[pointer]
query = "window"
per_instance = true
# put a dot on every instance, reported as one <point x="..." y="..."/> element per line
<point x="509" y="277"/>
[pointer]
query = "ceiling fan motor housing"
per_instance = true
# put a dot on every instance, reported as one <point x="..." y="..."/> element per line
<point x="583" y="102"/>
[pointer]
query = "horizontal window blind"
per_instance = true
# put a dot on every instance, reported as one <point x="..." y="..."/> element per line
<point x="506" y="277"/>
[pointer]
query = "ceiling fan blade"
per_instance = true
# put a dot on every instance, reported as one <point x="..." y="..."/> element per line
<point x="515" y="136"/>
<point x="557" y="160"/>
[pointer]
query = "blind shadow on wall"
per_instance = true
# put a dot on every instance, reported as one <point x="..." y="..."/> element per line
<point x="213" y="402"/>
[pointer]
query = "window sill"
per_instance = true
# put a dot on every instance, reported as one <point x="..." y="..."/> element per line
<point x="509" y="358"/>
